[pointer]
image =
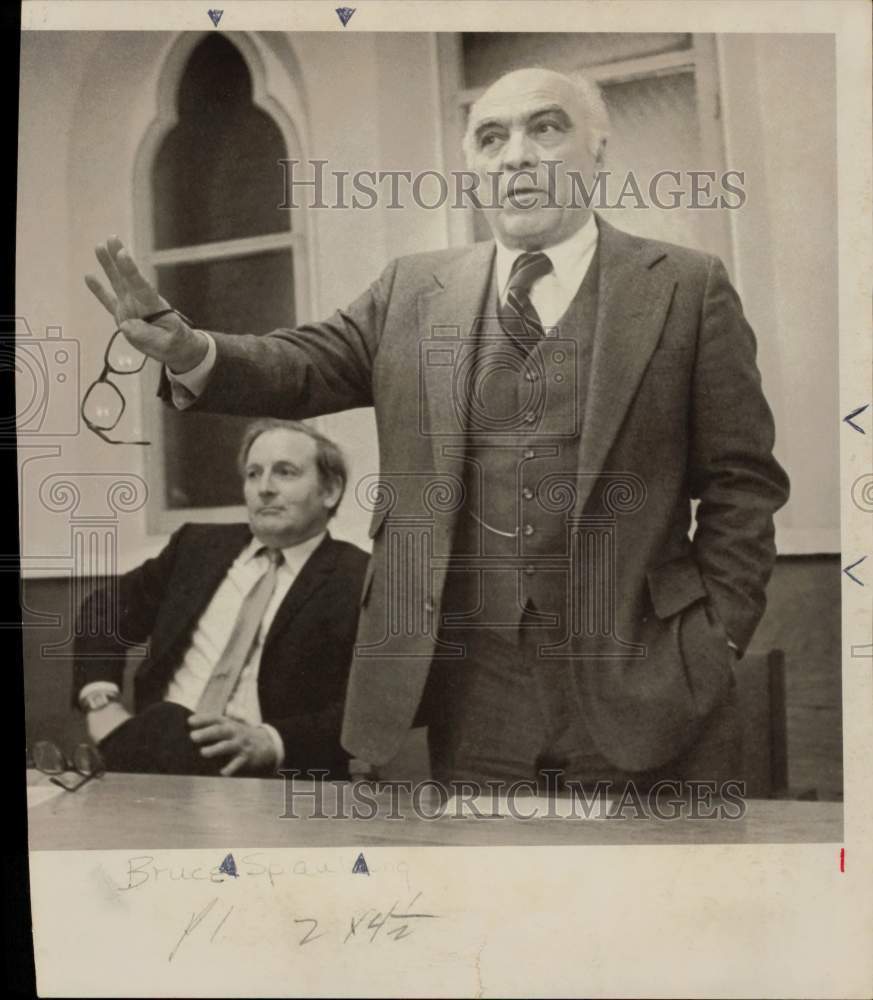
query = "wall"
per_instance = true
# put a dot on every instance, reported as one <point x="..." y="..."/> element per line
<point x="89" y="99"/>
<point x="779" y="107"/>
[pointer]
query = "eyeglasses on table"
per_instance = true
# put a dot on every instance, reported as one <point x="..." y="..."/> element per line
<point x="50" y="759"/>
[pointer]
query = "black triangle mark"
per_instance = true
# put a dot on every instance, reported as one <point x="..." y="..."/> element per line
<point x="345" y="14"/>
<point x="215" y="16"/>
<point x="360" y="866"/>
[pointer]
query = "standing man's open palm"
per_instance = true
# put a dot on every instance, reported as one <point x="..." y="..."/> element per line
<point x="145" y="318"/>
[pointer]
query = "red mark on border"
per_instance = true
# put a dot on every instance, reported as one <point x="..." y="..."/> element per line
<point x="842" y="859"/>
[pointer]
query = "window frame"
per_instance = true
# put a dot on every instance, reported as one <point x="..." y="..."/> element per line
<point x="276" y="92"/>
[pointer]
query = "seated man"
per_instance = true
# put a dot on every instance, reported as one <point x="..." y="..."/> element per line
<point x="250" y="628"/>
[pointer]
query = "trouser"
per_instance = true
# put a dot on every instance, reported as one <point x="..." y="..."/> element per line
<point x="157" y="740"/>
<point x="504" y="713"/>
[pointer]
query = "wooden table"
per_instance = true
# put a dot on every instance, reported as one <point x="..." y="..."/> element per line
<point x="121" y="811"/>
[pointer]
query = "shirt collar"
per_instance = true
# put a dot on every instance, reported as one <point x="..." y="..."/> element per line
<point x="295" y="555"/>
<point x="567" y="257"/>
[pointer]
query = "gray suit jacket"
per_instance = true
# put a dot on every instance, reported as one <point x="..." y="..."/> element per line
<point x="674" y="405"/>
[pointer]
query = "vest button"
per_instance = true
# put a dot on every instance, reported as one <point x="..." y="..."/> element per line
<point x="528" y="529"/>
<point x="530" y="417"/>
<point x="527" y="493"/>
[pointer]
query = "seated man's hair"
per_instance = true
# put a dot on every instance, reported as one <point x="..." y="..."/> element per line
<point x="329" y="459"/>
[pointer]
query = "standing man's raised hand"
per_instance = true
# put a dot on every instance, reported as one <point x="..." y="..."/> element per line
<point x="132" y="300"/>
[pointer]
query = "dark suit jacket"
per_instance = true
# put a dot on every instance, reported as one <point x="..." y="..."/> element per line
<point x="674" y="398"/>
<point x="307" y="652"/>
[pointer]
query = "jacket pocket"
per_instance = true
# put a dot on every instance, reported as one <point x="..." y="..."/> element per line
<point x="706" y="657"/>
<point x="674" y="586"/>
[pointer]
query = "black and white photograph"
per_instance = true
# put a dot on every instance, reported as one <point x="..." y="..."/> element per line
<point x="430" y="435"/>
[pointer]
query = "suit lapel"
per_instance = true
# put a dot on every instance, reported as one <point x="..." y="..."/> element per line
<point x="447" y="321"/>
<point x="633" y="299"/>
<point x="202" y="570"/>
<point x="316" y="570"/>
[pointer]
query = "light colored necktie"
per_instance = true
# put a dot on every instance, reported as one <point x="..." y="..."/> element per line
<point x="226" y="672"/>
<point x="518" y="317"/>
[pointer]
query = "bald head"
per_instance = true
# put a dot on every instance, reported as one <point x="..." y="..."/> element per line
<point x="536" y="85"/>
<point x="532" y="137"/>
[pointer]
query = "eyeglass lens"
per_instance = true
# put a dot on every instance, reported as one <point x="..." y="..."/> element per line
<point x="103" y="405"/>
<point x="87" y="760"/>
<point x="48" y="758"/>
<point x="122" y="358"/>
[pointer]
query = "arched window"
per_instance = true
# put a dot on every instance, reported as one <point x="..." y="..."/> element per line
<point x="222" y="252"/>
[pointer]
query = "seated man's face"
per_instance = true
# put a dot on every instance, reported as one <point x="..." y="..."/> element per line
<point x="284" y="495"/>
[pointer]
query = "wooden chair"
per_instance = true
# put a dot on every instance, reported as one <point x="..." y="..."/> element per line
<point x="761" y="701"/>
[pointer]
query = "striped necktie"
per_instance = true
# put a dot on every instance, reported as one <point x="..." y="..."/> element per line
<point x="518" y="317"/>
<point x="226" y="672"/>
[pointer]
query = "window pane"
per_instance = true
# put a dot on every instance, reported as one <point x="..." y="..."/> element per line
<point x="655" y="127"/>
<point x="238" y="295"/>
<point x="217" y="174"/>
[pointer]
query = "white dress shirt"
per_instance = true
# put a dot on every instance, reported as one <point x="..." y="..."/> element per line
<point x="187" y="386"/>
<point x="553" y="292"/>
<point x="213" y="629"/>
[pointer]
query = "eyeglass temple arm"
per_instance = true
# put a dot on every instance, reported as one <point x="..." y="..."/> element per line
<point x="85" y="778"/>
<point x="166" y="312"/>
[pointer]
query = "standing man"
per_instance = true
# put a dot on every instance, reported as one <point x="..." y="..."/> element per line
<point x="251" y="628"/>
<point x="552" y="402"/>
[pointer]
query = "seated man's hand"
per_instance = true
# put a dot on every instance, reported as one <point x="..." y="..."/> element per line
<point x="248" y="747"/>
<point x="102" y="721"/>
<point x="168" y="339"/>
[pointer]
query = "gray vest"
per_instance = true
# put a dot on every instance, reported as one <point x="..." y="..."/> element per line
<point x="525" y="418"/>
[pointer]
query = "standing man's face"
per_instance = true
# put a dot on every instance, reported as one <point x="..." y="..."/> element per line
<point x="525" y="118"/>
<point x="284" y="495"/>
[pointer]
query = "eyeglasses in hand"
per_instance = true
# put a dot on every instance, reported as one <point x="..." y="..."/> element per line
<point x="103" y="405"/>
